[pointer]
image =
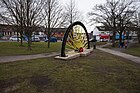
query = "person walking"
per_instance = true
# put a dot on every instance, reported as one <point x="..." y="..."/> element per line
<point x="125" y="43"/>
<point x="93" y="40"/>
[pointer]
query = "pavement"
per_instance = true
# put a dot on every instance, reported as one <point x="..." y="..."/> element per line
<point x="4" y="59"/>
<point x="120" y="54"/>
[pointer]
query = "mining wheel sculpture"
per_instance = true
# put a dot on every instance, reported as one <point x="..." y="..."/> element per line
<point x="76" y="38"/>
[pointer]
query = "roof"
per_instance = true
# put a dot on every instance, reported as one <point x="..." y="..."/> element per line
<point x="58" y="29"/>
<point x="10" y="28"/>
<point x="103" y="28"/>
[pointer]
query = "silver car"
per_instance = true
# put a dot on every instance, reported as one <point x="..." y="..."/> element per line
<point x="14" y="38"/>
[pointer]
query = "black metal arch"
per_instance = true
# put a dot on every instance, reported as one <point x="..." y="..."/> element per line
<point x="67" y="33"/>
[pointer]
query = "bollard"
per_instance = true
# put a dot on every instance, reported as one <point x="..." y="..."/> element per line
<point x="94" y="46"/>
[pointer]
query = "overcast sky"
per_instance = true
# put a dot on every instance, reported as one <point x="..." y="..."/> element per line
<point x="85" y="6"/>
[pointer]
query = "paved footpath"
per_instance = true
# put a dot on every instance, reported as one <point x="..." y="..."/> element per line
<point x="4" y="59"/>
<point x="120" y="54"/>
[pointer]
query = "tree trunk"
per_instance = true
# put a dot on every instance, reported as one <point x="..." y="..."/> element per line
<point x="139" y="36"/>
<point x="49" y="37"/>
<point x="29" y="43"/>
<point x="48" y="41"/>
<point x="21" y="42"/>
<point x="17" y="37"/>
<point x="113" y="39"/>
<point x="120" y="37"/>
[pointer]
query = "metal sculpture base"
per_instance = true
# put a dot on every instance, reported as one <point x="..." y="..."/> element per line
<point x="73" y="54"/>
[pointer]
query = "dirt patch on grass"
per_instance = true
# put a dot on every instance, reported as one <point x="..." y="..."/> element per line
<point x="4" y="84"/>
<point x="40" y="81"/>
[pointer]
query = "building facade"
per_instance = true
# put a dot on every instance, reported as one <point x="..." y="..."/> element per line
<point x="105" y="34"/>
<point x="6" y="31"/>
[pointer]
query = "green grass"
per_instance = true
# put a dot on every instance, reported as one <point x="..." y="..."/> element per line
<point x="110" y="46"/>
<point x="97" y="43"/>
<point x="134" y="50"/>
<point x="98" y="73"/>
<point x="13" y="48"/>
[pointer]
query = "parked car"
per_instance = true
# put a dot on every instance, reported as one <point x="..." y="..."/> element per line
<point x="35" y="39"/>
<point x="68" y="40"/>
<point x="14" y="38"/>
<point x="52" y="39"/>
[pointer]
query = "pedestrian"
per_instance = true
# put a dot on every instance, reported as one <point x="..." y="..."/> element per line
<point x="126" y="43"/>
<point x="119" y="45"/>
<point x="94" y="43"/>
<point x="122" y="44"/>
<point x="93" y="40"/>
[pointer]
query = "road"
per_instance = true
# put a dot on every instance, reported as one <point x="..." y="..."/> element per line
<point x="5" y="41"/>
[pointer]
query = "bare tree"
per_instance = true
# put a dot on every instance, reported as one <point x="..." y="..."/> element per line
<point x="105" y="14"/>
<point x="25" y="14"/>
<point x="137" y="19"/>
<point x="32" y="17"/>
<point x="53" y="17"/>
<point x="11" y="14"/>
<point x="72" y="13"/>
<point x="126" y="13"/>
<point x="115" y="15"/>
<point x="136" y="25"/>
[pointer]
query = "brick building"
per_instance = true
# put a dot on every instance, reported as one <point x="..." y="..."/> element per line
<point x="9" y="30"/>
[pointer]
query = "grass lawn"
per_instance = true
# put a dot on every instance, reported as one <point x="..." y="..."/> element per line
<point x="13" y="48"/>
<point x="98" y="73"/>
<point x="98" y="43"/>
<point x="110" y="46"/>
<point x="134" y="50"/>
